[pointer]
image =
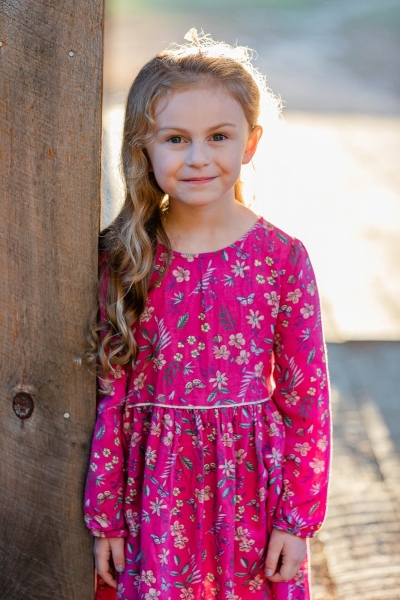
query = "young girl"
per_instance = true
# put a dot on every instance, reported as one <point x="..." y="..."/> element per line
<point x="210" y="453"/>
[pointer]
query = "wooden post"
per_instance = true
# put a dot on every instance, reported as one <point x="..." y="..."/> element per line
<point x="50" y="126"/>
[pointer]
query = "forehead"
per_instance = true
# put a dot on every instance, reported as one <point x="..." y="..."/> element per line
<point x="199" y="106"/>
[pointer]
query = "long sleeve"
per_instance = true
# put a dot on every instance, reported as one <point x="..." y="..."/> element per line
<point x="302" y="396"/>
<point x="105" y="481"/>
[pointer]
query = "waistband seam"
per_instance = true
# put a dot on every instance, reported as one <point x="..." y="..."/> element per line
<point x="196" y="406"/>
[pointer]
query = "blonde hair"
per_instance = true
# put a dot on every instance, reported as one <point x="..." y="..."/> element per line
<point x="129" y="243"/>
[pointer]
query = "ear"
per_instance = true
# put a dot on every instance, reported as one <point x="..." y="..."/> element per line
<point x="252" y="144"/>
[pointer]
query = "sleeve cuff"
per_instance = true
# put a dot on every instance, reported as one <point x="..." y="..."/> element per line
<point x="118" y="533"/>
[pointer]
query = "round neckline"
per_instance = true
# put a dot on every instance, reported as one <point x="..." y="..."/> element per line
<point x="196" y="254"/>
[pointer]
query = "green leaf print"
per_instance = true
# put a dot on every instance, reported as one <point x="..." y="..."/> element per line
<point x="226" y="319"/>
<point x="187" y="462"/>
<point x="281" y="237"/>
<point x="185" y="568"/>
<point x="244" y="562"/>
<point x="150" y="389"/>
<point x="178" y="584"/>
<point x="171" y="371"/>
<point x="226" y="492"/>
<point x="311" y="356"/>
<point x="211" y="396"/>
<point x="224" y="255"/>
<point x="313" y="508"/>
<point x="288" y="421"/>
<point x="183" y="320"/>
<point x="100" y="432"/>
<point x="175" y="573"/>
<point x="250" y="466"/>
<point x="177" y="560"/>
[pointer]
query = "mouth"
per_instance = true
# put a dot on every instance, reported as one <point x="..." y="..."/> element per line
<point x="198" y="179"/>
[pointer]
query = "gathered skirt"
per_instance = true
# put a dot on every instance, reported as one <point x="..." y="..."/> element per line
<point x="201" y="489"/>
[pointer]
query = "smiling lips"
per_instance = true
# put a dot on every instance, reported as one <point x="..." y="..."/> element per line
<point x="198" y="180"/>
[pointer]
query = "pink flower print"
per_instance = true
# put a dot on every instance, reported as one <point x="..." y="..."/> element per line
<point x="311" y="288"/>
<point x="138" y="383"/>
<point x="180" y="542"/>
<point x="254" y="319"/>
<point x="318" y="465"/>
<point x="273" y="298"/>
<point x="307" y="310"/>
<point x="199" y="495"/>
<point x="152" y="594"/>
<point x="146" y="314"/>
<point x="294" y="296"/>
<point x="208" y="493"/>
<point x="299" y="579"/>
<point x="276" y="457"/>
<point x="135" y="439"/>
<point x="236" y="340"/>
<point x="133" y="522"/>
<point x="243" y="358"/>
<point x="240" y="455"/>
<point x="239" y="269"/>
<point x="258" y="369"/>
<point x="322" y="444"/>
<point x="219" y="380"/>
<point x="168" y="439"/>
<point x="227" y="440"/>
<point x="151" y="455"/>
<point x="228" y="468"/>
<point x="155" y="429"/>
<point x="256" y="583"/>
<point x="221" y="352"/>
<point x="159" y="362"/>
<point x="190" y="257"/>
<point x="181" y="274"/>
<point x="241" y="533"/>
<point x="157" y="506"/>
<point x="273" y="430"/>
<point x="187" y="594"/>
<point x="167" y="420"/>
<point x="292" y="398"/>
<point x="163" y="556"/>
<point x="246" y="545"/>
<point x="262" y="492"/>
<point x="118" y="372"/>
<point x="176" y="529"/>
<point x="102" y="520"/>
<point x="303" y="448"/>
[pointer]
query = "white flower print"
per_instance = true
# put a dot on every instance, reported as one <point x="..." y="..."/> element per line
<point x="181" y="274"/>
<point x="239" y="269"/>
<point x="151" y="455"/>
<point x="163" y="556"/>
<point x="258" y="369"/>
<point x="276" y="456"/>
<point x="236" y="340"/>
<point x="219" y="380"/>
<point x="157" y="506"/>
<point x="254" y="319"/>
<point x="307" y="311"/>
<point x="228" y="468"/>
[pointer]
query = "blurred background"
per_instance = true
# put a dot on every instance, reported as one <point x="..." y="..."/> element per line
<point x="329" y="175"/>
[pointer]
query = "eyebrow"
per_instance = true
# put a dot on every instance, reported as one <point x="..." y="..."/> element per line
<point x="181" y="129"/>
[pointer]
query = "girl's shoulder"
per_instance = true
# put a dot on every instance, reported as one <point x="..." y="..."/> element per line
<point x="278" y="244"/>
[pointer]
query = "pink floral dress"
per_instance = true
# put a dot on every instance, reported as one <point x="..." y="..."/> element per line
<point x="221" y="430"/>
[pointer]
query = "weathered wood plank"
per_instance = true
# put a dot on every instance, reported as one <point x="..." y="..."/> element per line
<point x="50" y="127"/>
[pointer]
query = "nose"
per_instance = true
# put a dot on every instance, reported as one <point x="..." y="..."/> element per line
<point x="197" y="155"/>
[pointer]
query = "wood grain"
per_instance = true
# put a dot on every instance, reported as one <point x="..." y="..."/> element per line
<point x="50" y="128"/>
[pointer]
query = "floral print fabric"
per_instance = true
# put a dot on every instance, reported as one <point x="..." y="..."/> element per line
<point x="220" y="431"/>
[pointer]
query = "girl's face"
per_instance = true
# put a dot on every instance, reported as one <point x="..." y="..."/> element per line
<point x="201" y="140"/>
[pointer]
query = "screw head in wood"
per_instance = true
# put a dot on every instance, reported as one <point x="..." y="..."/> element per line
<point x="71" y="53"/>
<point x="23" y="405"/>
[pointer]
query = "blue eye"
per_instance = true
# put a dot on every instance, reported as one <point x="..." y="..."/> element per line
<point x="175" y="139"/>
<point x="219" y="137"/>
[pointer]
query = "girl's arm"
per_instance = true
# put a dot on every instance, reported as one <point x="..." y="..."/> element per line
<point x="105" y="481"/>
<point x="302" y="396"/>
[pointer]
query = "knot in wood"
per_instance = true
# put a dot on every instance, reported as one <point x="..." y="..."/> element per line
<point x="23" y="405"/>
